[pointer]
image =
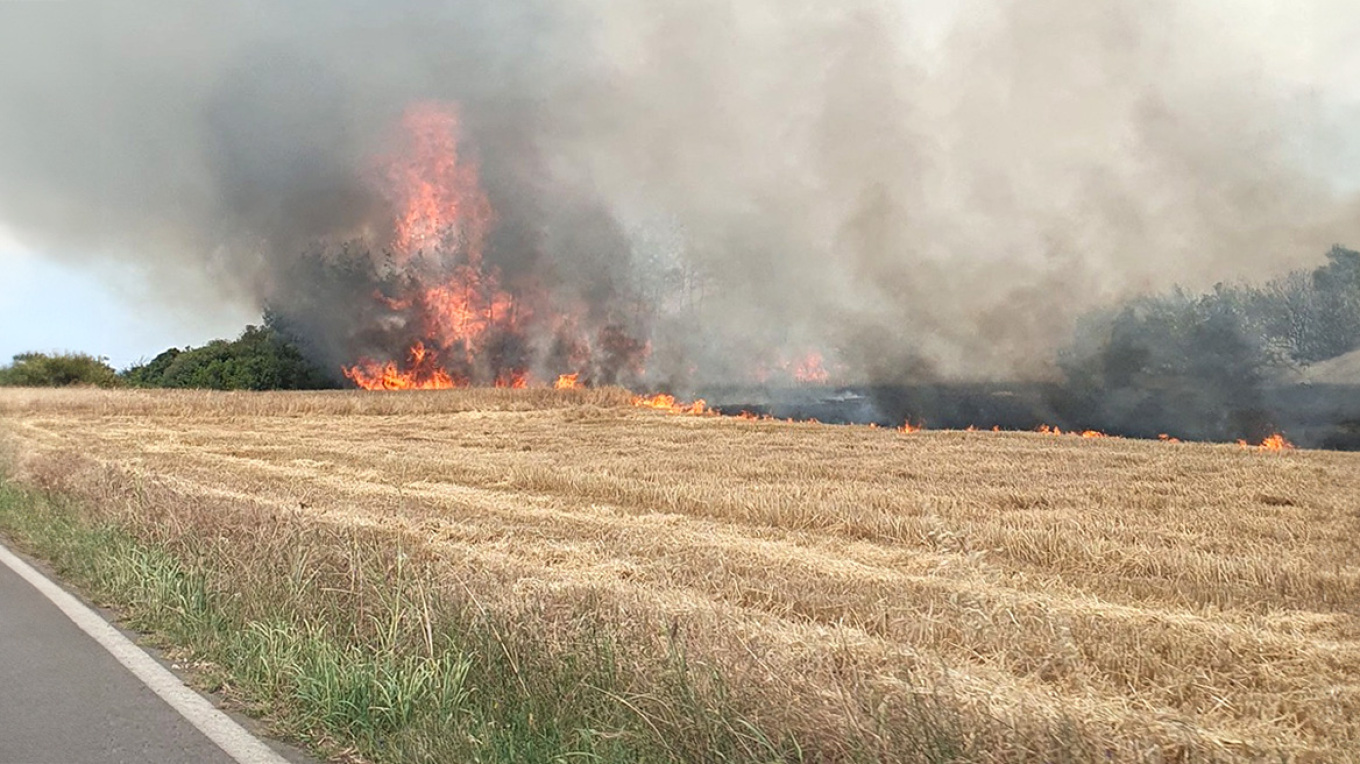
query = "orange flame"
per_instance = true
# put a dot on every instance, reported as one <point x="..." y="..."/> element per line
<point x="568" y="382"/>
<point x="455" y="304"/>
<point x="514" y="379"/>
<point x="1047" y="430"/>
<point x="1276" y="442"/>
<point x="423" y="373"/>
<point x="809" y="370"/>
<point x="909" y="428"/>
<point x="668" y="403"/>
<point x="437" y="191"/>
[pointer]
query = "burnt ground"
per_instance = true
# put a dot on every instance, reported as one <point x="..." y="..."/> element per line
<point x="1321" y="416"/>
<point x="1315" y="416"/>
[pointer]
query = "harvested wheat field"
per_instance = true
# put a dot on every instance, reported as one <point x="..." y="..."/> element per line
<point x="1162" y="602"/>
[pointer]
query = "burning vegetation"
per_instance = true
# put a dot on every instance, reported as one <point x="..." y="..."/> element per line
<point x="445" y="297"/>
<point x="813" y="202"/>
<point x="442" y="316"/>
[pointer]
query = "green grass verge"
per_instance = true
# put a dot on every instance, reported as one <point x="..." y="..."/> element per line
<point x="346" y="643"/>
<point x="376" y="668"/>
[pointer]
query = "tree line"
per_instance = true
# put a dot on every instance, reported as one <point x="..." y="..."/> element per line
<point x="1201" y="363"/>
<point x="261" y="358"/>
<point x="1175" y="356"/>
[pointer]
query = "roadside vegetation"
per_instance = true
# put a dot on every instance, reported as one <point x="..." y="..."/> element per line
<point x="340" y="641"/>
<point x="559" y="576"/>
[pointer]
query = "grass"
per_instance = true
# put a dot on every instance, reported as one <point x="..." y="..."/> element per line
<point x="626" y="585"/>
<point x="405" y="683"/>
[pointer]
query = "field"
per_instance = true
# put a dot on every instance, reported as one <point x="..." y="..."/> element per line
<point x="1123" y="600"/>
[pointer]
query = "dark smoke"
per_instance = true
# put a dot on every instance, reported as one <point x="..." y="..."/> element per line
<point x="768" y="178"/>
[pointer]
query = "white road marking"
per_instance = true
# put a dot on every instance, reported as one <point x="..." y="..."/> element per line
<point x="231" y="737"/>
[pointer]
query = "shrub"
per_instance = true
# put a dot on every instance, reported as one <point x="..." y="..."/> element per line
<point x="260" y="359"/>
<point x="58" y="370"/>
<point x="1197" y="365"/>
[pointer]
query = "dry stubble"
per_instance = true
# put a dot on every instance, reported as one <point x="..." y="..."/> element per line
<point x="1188" y="597"/>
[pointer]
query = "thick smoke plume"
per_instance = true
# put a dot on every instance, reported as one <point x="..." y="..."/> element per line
<point x="915" y="196"/>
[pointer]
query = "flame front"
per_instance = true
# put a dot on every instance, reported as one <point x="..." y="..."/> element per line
<point x="423" y="373"/>
<point x="1088" y="434"/>
<point x="1276" y="442"/>
<point x="568" y="382"/>
<point x="668" y="403"/>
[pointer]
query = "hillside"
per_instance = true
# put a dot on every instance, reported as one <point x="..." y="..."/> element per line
<point x="1151" y="600"/>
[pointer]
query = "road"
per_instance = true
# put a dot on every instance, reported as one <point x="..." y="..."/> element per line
<point x="65" y="697"/>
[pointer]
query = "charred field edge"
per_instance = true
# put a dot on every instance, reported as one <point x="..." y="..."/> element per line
<point x="342" y="642"/>
<point x="1314" y="416"/>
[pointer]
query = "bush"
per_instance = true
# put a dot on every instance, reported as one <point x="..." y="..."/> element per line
<point x="260" y="359"/>
<point x="58" y="370"/>
<point x="1197" y="365"/>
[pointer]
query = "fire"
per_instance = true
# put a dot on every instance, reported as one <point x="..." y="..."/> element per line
<point x="1275" y="442"/>
<point x="568" y="382"/>
<point x="909" y="428"/>
<point x="436" y="191"/>
<point x="444" y="314"/>
<point x="450" y="301"/>
<point x="423" y="373"/>
<point x="668" y="403"/>
<point x="1088" y="434"/>
<point x="810" y="370"/>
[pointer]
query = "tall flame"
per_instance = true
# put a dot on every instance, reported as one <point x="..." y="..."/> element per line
<point x="439" y="232"/>
<point x="436" y="191"/>
<point x="444" y="308"/>
<point x="811" y="370"/>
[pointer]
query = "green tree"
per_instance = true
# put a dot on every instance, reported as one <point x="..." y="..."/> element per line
<point x="260" y="359"/>
<point x="58" y="370"/>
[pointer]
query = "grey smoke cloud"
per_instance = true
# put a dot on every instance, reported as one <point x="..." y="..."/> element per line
<point x="928" y="195"/>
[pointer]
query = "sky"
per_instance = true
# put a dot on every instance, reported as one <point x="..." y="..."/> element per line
<point x="48" y="306"/>
<point x="65" y="301"/>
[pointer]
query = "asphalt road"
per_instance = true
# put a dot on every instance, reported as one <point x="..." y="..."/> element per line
<point x="64" y="698"/>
